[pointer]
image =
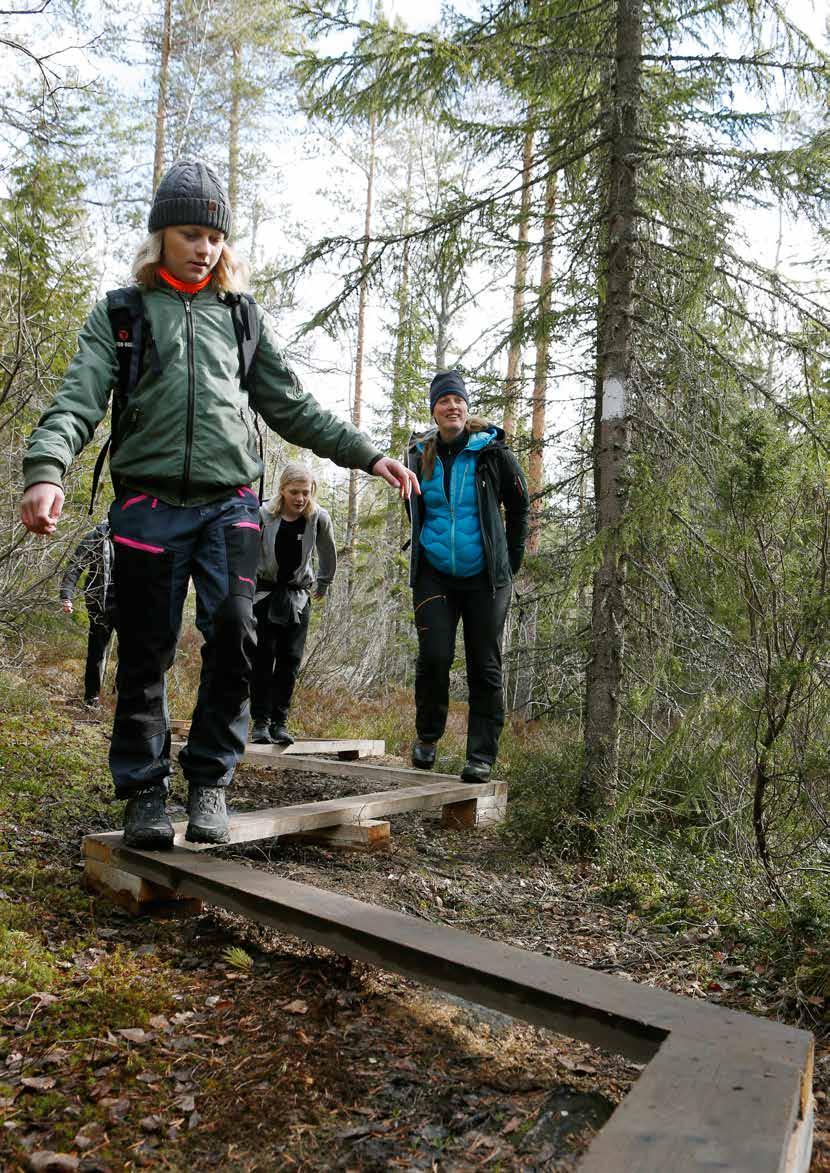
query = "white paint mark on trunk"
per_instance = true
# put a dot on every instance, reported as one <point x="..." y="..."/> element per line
<point x="613" y="397"/>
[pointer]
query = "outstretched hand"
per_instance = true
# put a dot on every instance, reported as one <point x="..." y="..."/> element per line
<point x="40" y="507"/>
<point x="397" y="475"/>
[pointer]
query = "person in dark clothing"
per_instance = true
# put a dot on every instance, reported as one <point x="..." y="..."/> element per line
<point x="93" y="557"/>
<point x="183" y="459"/>
<point x="462" y="561"/>
<point x="294" y="529"/>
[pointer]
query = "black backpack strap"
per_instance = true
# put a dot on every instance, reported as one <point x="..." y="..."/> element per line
<point x="130" y="332"/>
<point x="246" y="327"/>
<point x="96" y="472"/>
<point x="126" y="313"/>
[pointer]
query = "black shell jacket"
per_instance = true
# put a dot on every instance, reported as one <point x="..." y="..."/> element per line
<point x="499" y="481"/>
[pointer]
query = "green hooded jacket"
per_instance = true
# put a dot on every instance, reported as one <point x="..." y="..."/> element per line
<point x="186" y="435"/>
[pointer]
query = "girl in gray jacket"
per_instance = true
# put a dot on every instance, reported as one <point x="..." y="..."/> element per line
<point x="294" y="526"/>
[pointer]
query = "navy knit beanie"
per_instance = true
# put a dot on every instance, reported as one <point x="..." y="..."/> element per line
<point x="191" y="193"/>
<point x="446" y="383"/>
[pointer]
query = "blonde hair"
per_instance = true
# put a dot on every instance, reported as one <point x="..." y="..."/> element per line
<point x="229" y="275"/>
<point x="294" y="471"/>
<point x="475" y="423"/>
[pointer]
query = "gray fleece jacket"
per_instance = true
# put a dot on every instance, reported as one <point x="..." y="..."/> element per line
<point x="319" y="536"/>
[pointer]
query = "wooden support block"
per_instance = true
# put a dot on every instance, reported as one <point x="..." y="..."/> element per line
<point x="137" y="895"/>
<point x="476" y="812"/>
<point x="459" y="816"/>
<point x="373" y="835"/>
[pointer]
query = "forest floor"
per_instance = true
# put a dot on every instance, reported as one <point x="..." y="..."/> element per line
<point x="212" y="1043"/>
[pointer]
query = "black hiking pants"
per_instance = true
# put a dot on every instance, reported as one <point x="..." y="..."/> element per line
<point x="101" y="626"/>
<point x="438" y="606"/>
<point x="159" y="548"/>
<point x="279" y="654"/>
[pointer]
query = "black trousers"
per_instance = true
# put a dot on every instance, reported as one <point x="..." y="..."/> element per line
<point x="279" y="654"/>
<point x="101" y="626"/>
<point x="438" y="607"/>
<point x="159" y="548"/>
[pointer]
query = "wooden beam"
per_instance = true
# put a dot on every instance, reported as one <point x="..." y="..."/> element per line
<point x="722" y="1090"/>
<point x="354" y="747"/>
<point x="270" y="755"/>
<point x="344" y="747"/>
<point x="333" y="812"/>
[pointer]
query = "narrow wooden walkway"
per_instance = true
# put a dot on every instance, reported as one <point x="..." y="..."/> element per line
<point x="721" y="1090"/>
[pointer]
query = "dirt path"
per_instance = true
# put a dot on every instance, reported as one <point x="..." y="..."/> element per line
<point x="215" y="1044"/>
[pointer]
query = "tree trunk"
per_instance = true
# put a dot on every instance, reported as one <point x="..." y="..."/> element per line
<point x="525" y="670"/>
<point x="234" y="119"/>
<point x="357" y="401"/>
<point x="442" y="338"/>
<point x="161" y="98"/>
<point x="514" y="354"/>
<point x="612" y="426"/>
<point x="536" y="464"/>
<point x="399" y="413"/>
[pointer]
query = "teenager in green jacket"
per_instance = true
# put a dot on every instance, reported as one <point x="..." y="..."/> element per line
<point x="183" y="463"/>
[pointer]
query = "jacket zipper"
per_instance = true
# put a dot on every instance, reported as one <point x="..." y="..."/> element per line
<point x="457" y="495"/>
<point x="191" y="397"/>
<point x="487" y="548"/>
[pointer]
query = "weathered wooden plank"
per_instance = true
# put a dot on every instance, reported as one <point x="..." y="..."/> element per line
<point x="361" y="747"/>
<point x="273" y="755"/>
<point x="725" y="1090"/>
<point x="715" y="1102"/>
<point x="286" y="820"/>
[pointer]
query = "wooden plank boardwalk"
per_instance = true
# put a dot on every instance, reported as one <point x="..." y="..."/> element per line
<point x="343" y="747"/>
<point x="721" y="1090"/>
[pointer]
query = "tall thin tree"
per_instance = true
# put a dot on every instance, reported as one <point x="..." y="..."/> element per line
<point x="357" y="398"/>
<point x="612" y="432"/>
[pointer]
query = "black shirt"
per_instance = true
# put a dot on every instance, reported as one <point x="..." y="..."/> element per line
<point x="288" y="549"/>
<point x="447" y="453"/>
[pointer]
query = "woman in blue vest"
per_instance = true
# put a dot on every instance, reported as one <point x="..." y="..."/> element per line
<point x="463" y="558"/>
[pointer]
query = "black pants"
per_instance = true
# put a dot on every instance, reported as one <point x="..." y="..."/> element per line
<point x="438" y="607"/>
<point x="279" y="654"/>
<point x="159" y="548"/>
<point x="101" y="626"/>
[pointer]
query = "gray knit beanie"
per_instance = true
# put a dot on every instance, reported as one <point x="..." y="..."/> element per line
<point x="190" y="193"/>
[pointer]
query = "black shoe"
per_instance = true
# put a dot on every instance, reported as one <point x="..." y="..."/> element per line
<point x="260" y="734"/>
<point x="207" y="815"/>
<point x="146" y="824"/>
<point x="423" y="755"/>
<point x="476" y="771"/>
<point x="279" y="734"/>
<point x="92" y="702"/>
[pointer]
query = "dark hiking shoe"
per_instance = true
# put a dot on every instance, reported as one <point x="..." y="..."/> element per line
<point x="260" y="734"/>
<point x="279" y="734"/>
<point x="146" y="824"/>
<point x="423" y="755"/>
<point x="207" y="815"/>
<point x="476" y="771"/>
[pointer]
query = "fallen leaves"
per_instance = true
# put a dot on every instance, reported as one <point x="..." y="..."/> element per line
<point x="298" y="1006"/>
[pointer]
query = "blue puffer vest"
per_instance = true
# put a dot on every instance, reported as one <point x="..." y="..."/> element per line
<point x="451" y="531"/>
